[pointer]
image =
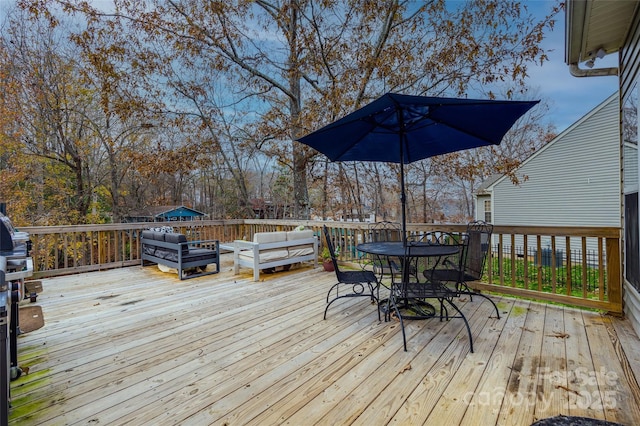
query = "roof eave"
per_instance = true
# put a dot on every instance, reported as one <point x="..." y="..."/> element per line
<point x="593" y="27"/>
<point x="574" y="27"/>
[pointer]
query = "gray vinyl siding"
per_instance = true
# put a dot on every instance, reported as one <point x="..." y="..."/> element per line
<point x="480" y="212"/>
<point x="630" y="75"/>
<point x="572" y="181"/>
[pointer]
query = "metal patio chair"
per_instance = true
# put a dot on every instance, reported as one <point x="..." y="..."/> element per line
<point x="350" y="283"/>
<point x="469" y="264"/>
<point x="384" y="266"/>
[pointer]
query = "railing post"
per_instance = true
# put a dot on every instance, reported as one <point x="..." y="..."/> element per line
<point x="614" y="271"/>
<point x="500" y="260"/>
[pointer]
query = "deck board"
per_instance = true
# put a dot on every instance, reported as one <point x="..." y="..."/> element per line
<point x="520" y="390"/>
<point x="552" y="377"/>
<point x="441" y="375"/>
<point x="138" y="346"/>
<point x="618" y="396"/>
<point x="481" y="407"/>
<point x="579" y="364"/>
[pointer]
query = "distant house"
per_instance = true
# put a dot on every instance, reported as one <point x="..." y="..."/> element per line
<point x="267" y="209"/>
<point x="164" y="214"/>
<point x="483" y="198"/>
<point x="354" y="216"/>
<point x="574" y="180"/>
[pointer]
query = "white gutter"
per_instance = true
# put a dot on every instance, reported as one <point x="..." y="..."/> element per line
<point x="576" y="71"/>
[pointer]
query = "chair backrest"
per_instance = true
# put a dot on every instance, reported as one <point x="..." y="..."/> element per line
<point x="477" y="247"/>
<point x="327" y="237"/>
<point x="385" y="231"/>
<point x="454" y="262"/>
<point x="381" y="232"/>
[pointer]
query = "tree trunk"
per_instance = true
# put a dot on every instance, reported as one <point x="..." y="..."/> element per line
<point x="300" y="192"/>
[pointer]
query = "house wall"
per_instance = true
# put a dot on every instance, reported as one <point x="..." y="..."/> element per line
<point x="572" y="181"/>
<point x="630" y="81"/>
<point x="480" y="211"/>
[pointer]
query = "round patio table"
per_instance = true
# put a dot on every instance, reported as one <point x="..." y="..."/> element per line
<point x="410" y="308"/>
<point x="397" y="249"/>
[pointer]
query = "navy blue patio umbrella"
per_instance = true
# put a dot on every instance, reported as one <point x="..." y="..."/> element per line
<point x="402" y="129"/>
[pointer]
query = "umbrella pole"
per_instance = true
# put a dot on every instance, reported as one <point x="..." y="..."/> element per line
<point x="403" y="198"/>
<point x="403" y="203"/>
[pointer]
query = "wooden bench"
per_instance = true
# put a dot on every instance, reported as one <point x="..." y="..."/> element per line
<point x="174" y="251"/>
<point x="273" y="249"/>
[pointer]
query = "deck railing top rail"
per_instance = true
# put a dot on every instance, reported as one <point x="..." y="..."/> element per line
<point x="576" y="265"/>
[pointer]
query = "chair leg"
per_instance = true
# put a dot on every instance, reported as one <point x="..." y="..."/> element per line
<point x="387" y="311"/>
<point x="444" y="312"/>
<point x="357" y="291"/>
<point x="395" y="308"/>
<point x="492" y="302"/>
<point x="375" y="299"/>
<point x="472" y="293"/>
<point x="466" y="323"/>
<point x="463" y="288"/>
<point x="331" y="289"/>
<point x="327" y="307"/>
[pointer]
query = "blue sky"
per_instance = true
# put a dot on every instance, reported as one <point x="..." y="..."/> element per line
<point x="570" y="98"/>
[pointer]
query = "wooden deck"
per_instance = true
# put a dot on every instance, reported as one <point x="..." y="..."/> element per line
<point x="137" y="346"/>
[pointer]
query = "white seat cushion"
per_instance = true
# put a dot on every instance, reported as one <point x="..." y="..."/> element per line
<point x="266" y="255"/>
<point x="300" y="250"/>
<point x="299" y="235"/>
<point x="269" y="237"/>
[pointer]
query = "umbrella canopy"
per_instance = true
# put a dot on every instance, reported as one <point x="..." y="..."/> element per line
<point x="403" y="128"/>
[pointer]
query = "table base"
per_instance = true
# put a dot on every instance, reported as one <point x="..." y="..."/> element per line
<point x="409" y="309"/>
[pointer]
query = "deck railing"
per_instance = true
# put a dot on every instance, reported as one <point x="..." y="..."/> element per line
<point x="579" y="266"/>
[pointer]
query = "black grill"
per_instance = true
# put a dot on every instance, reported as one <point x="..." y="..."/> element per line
<point x="15" y="266"/>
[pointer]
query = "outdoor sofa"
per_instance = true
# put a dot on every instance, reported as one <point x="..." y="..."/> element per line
<point x="273" y="249"/>
<point x="173" y="250"/>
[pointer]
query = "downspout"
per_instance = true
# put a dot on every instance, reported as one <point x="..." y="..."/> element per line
<point x="576" y="71"/>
